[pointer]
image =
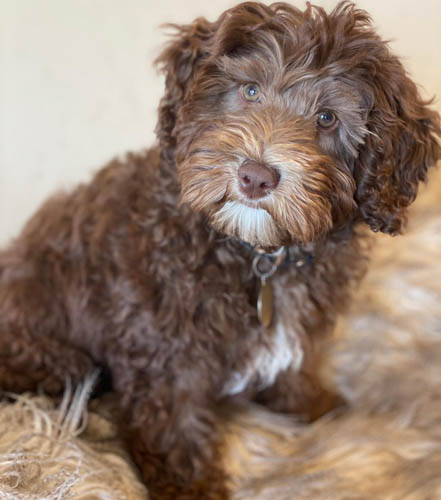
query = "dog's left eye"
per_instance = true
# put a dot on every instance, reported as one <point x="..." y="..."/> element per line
<point x="251" y="92"/>
<point x="326" y="118"/>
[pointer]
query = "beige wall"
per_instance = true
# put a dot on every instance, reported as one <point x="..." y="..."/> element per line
<point x="77" y="87"/>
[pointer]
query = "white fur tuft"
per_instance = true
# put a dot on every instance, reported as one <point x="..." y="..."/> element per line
<point x="254" y="225"/>
<point x="268" y="363"/>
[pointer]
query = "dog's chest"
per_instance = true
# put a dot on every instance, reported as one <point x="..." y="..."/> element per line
<point x="281" y="351"/>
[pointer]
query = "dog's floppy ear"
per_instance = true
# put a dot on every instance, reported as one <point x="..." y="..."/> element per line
<point x="400" y="147"/>
<point x="178" y="61"/>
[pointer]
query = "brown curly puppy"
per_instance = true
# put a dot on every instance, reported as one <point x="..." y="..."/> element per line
<point x="280" y="131"/>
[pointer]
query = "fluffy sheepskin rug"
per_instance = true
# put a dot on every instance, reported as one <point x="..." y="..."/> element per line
<point x="43" y="457"/>
<point x="385" y="359"/>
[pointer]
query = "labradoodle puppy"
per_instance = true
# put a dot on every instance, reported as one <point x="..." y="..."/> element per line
<point x="205" y="268"/>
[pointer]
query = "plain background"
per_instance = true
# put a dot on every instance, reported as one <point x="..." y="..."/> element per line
<point x="77" y="86"/>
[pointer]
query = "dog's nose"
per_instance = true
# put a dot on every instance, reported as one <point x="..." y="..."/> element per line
<point x="256" y="180"/>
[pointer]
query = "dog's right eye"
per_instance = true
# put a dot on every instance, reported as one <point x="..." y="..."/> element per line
<point x="326" y="119"/>
<point x="251" y="92"/>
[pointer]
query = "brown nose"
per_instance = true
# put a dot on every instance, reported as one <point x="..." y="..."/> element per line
<point x="256" y="180"/>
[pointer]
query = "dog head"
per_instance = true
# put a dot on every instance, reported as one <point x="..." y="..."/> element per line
<point x="286" y="124"/>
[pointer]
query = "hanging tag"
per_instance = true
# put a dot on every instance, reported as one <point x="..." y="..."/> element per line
<point x="265" y="303"/>
<point x="264" y="266"/>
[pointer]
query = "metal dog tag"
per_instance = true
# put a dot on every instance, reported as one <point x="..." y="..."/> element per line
<point x="265" y="303"/>
<point x="264" y="266"/>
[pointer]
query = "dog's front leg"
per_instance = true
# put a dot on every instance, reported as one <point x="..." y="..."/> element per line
<point x="171" y="426"/>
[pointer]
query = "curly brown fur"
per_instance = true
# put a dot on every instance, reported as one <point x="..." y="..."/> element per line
<point x="143" y="270"/>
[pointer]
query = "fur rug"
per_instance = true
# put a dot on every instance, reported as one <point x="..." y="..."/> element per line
<point x="385" y="359"/>
<point x="42" y="455"/>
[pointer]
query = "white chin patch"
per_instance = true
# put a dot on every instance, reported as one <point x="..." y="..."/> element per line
<point x="254" y="225"/>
